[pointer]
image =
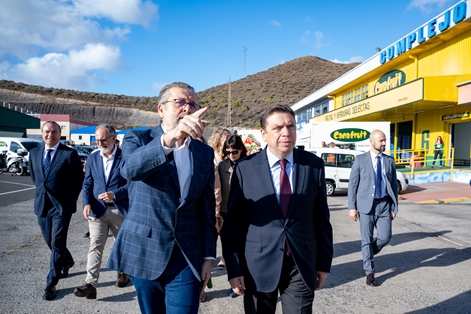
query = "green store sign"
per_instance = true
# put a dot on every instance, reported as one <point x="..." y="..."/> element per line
<point x="350" y="135"/>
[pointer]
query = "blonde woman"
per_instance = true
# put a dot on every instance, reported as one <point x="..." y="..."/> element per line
<point x="216" y="141"/>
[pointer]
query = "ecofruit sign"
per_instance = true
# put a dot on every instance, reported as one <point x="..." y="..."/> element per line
<point x="350" y="135"/>
<point x="389" y="81"/>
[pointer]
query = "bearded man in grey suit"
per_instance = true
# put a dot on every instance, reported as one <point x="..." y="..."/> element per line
<point x="372" y="198"/>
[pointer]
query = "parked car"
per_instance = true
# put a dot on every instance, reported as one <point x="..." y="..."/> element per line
<point x="83" y="149"/>
<point x="338" y="165"/>
<point x="12" y="144"/>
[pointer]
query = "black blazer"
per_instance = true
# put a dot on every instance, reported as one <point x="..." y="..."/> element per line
<point x="254" y="231"/>
<point x="63" y="182"/>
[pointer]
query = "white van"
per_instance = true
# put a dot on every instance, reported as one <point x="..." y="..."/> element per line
<point x="338" y="165"/>
<point x="12" y="144"/>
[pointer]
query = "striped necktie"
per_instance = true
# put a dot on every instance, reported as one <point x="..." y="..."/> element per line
<point x="47" y="162"/>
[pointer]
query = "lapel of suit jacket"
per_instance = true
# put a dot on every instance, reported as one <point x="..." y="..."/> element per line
<point x="196" y="158"/>
<point x="170" y="165"/>
<point x="38" y="162"/>
<point x="299" y="177"/>
<point x="267" y="183"/>
<point x="371" y="167"/>
<point x="98" y="160"/>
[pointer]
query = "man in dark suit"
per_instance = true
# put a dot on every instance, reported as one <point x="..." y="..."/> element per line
<point x="56" y="170"/>
<point x="277" y="237"/>
<point x="167" y="242"/>
<point x="105" y="204"/>
<point x="372" y="198"/>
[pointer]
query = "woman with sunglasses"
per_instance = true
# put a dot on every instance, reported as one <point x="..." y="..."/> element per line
<point x="234" y="149"/>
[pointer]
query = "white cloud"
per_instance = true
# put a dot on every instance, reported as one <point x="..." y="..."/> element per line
<point x="61" y="43"/>
<point x="351" y="60"/>
<point x="314" y="39"/>
<point x="120" y="11"/>
<point x="426" y="6"/>
<point x="275" y="23"/>
<point x="28" y="26"/>
<point x="75" y="70"/>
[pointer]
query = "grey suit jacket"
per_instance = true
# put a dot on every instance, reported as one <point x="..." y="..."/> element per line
<point x="254" y="231"/>
<point x="157" y="218"/>
<point x="361" y="186"/>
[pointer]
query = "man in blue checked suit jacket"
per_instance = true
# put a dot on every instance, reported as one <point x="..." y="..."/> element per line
<point x="167" y="242"/>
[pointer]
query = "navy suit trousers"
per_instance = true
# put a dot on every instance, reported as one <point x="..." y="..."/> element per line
<point x="54" y="228"/>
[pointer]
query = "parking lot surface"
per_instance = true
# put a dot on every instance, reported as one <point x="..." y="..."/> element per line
<point x="424" y="269"/>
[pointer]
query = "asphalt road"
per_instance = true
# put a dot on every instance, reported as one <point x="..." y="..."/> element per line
<point x="14" y="189"/>
<point x="425" y="269"/>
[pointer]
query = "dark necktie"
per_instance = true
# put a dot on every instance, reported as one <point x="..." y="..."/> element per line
<point x="378" y="178"/>
<point x="285" y="188"/>
<point x="47" y="162"/>
<point x="285" y="195"/>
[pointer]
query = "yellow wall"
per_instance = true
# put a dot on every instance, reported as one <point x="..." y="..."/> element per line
<point x="442" y="68"/>
<point x="453" y="57"/>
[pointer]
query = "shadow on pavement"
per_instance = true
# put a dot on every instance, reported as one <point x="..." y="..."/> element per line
<point x="399" y="263"/>
<point x="457" y="304"/>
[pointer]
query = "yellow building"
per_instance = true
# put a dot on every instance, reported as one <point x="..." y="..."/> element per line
<point x="421" y="84"/>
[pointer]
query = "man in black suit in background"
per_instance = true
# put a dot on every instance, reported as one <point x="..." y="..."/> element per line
<point x="56" y="170"/>
<point x="277" y="237"/>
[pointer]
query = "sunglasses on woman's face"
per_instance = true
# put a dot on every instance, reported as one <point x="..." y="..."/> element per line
<point x="232" y="152"/>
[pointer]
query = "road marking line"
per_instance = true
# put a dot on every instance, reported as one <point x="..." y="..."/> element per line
<point x="9" y="182"/>
<point x="17" y="191"/>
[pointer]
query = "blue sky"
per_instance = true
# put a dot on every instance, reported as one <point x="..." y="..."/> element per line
<point x="134" y="47"/>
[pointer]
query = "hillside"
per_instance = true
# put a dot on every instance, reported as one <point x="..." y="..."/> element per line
<point x="284" y="84"/>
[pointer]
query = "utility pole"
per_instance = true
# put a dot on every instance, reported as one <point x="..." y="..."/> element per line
<point x="245" y="58"/>
<point x="229" y="103"/>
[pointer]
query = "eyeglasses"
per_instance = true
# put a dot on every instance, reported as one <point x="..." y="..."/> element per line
<point x="183" y="103"/>
<point x="233" y="152"/>
<point x="104" y="140"/>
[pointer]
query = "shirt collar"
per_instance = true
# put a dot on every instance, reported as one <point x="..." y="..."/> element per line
<point x="373" y="155"/>
<point x="53" y="147"/>
<point x="272" y="159"/>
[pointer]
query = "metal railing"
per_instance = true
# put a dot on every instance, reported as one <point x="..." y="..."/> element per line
<point x="417" y="158"/>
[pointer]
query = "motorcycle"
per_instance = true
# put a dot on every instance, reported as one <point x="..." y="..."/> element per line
<point x="14" y="165"/>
